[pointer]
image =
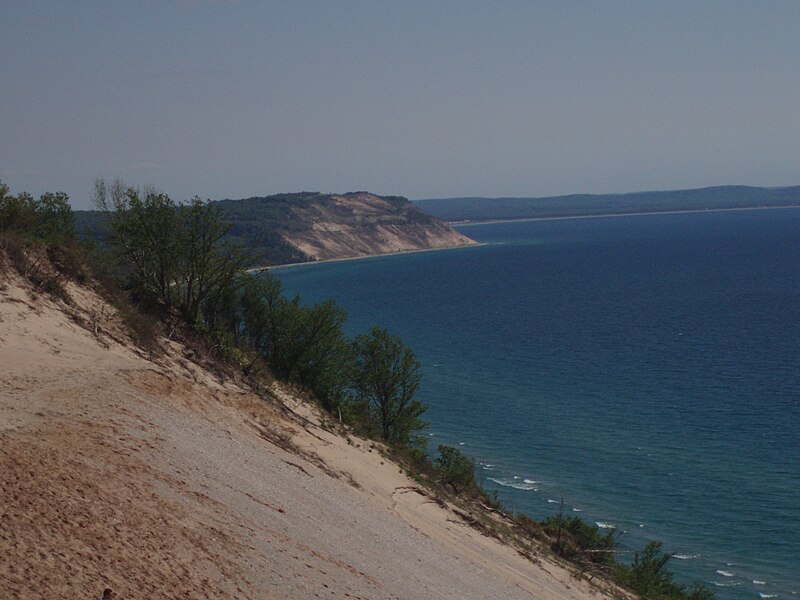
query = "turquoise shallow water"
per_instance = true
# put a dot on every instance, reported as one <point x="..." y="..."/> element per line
<point x="646" y="369"/>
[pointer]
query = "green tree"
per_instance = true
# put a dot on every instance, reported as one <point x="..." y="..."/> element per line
<point x="48" y="219"/>
<point x="145" y="231"/>
<point x="170" y="251"/>
<point x="17" y="213"/>
<point x="222" y="310"/>
<point x="262" y="310"/>
<point x="207" y="265"/>
<point x="455" y="468"/>
<point x="385" y="381"/>
<point x="304" y="344"/>
<point x="319" y="355"/>
<point x="56" y="221"/>
<point x="648" y="575"/>
<point x="581" y="541"/>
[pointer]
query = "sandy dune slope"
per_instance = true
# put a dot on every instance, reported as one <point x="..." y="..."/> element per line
<point x="160" y="481"/>
<point x="360" y="224"/>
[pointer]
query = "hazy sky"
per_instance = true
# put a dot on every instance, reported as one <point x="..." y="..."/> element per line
<point x="420" y="99"/>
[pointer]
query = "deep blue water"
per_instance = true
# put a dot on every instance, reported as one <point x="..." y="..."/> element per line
<point x="644" y="368"/>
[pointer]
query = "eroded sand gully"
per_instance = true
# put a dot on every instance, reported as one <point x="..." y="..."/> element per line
<point x="161" y="481"/>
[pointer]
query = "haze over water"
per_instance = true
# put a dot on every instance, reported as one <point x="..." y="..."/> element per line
<point x="646" y="369"/>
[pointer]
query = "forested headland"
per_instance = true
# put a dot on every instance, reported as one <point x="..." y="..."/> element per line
<point x="311" y="226"/>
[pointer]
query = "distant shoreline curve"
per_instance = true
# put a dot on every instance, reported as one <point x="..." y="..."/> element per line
<point x="347" y="258"/>
<point x="521" y="220"/>
<point x="625" y="214"/>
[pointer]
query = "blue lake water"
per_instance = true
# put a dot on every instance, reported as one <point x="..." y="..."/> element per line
<point x="644" y="368"/>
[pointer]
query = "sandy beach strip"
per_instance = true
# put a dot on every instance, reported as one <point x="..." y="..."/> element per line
<point x="614" y="215"/>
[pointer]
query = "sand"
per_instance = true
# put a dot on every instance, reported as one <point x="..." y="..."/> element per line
<point x="160" y="480"/>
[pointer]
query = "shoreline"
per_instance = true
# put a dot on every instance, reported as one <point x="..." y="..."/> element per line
<point x="520" y="220"/>
<point x="625" y="214"/>
<point x="703" y="560"/>
<point x="349" y="258"/>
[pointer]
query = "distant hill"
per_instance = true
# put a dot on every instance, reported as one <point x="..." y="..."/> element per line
<point x="313" y="226"/>
<point x="722" y="197"/>
<point x="310" y="226"/>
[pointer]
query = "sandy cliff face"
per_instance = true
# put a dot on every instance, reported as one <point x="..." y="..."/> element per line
<point x="362" y="224"/>
<point x="160" y="480"/>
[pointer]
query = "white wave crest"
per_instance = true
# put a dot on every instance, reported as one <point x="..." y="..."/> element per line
<point x="512" y="483"/>
<point x="724" y="573"/>
<point x="602" y="525"/>
<point x="684" y="556"/>
<point x="759" y="582"/>
<point x="767" y="595"/>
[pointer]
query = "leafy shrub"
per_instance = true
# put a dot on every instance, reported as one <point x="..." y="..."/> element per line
<point x="580" y="541"/>
<point x="455" y="469"/>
